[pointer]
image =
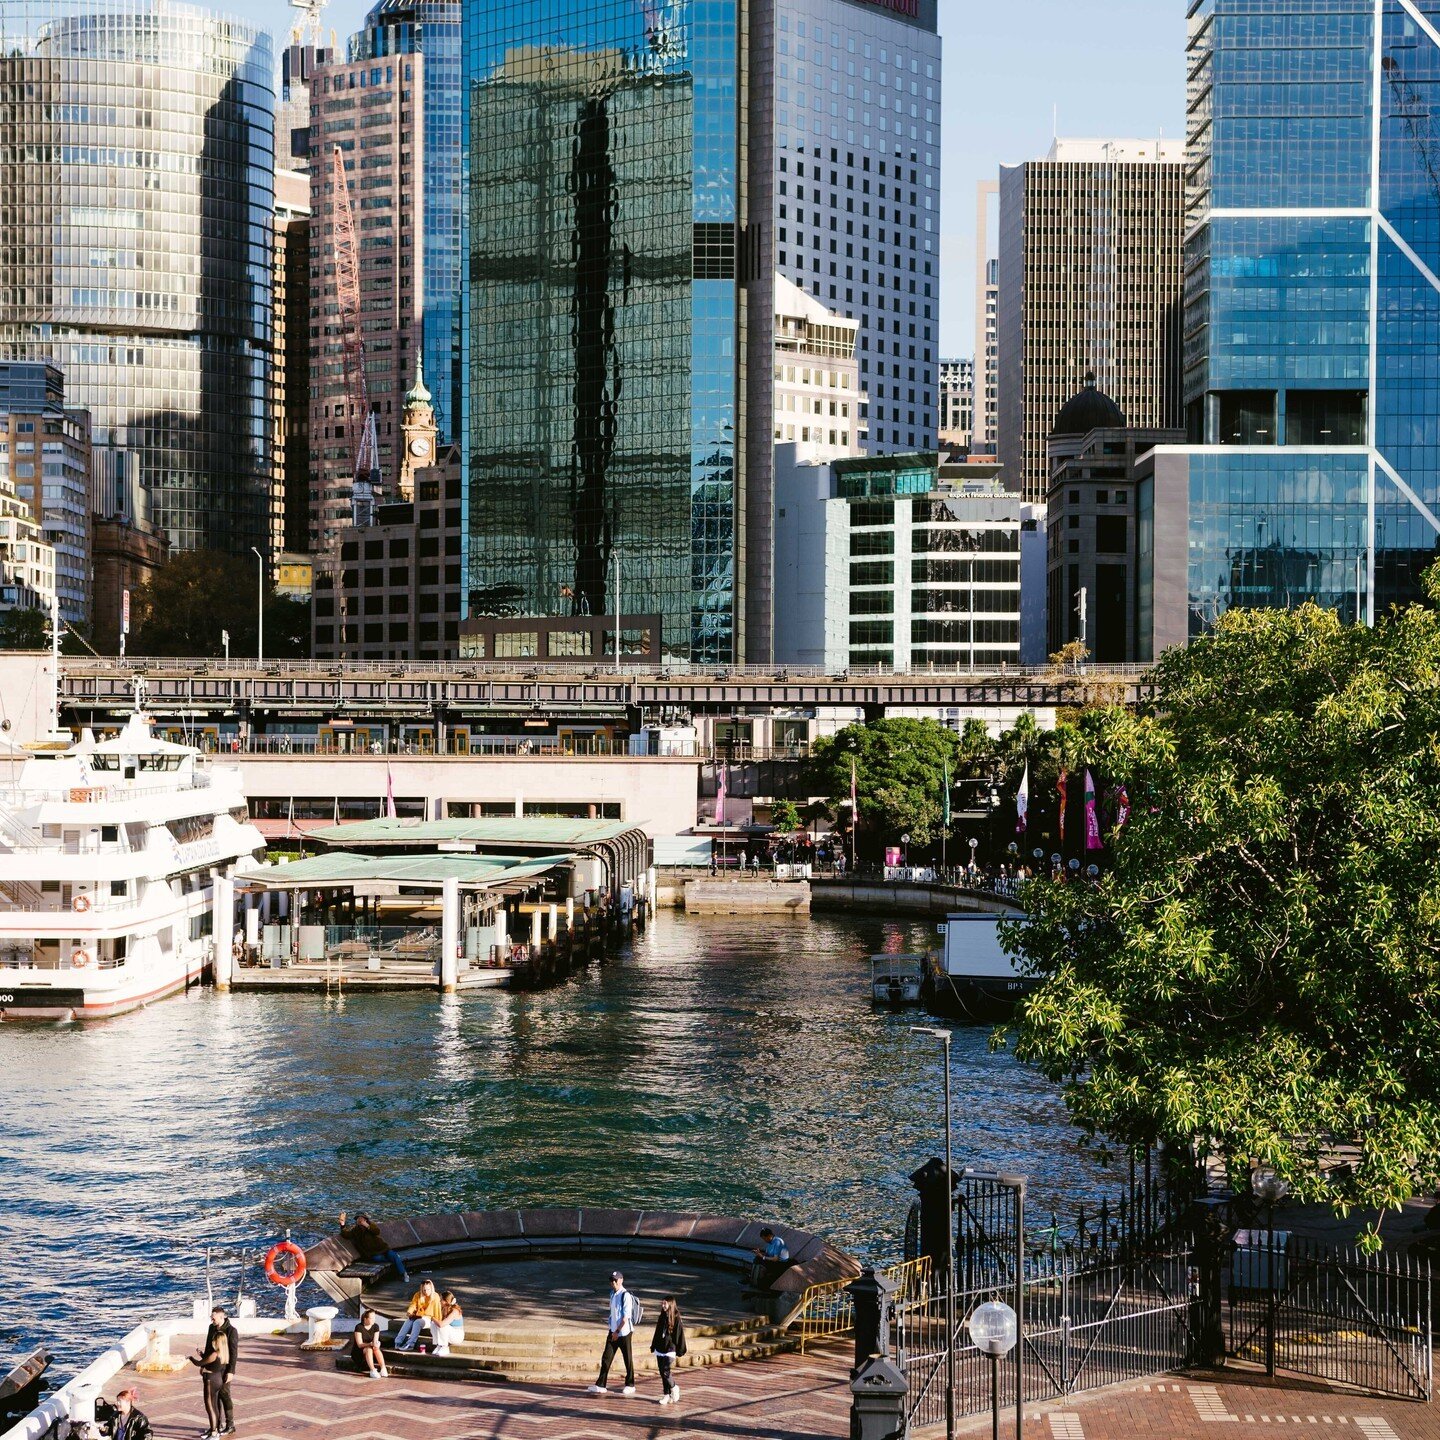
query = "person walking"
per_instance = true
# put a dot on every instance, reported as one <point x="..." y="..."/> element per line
<point x="217" y="1359"/>
<point x="424" y="1305"/>
<point x="667" y="1345"/>
<point x="625" y="1315"/>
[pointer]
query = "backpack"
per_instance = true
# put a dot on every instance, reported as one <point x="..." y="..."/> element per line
<point x="637" y="1311"/>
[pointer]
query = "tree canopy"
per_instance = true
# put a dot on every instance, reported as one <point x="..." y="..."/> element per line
<point x="199" y="594"/>
<point x="1257" y="969"/>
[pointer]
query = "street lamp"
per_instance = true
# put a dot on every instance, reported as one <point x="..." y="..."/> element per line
<point x="225" y="641"/>
<point x="1270" y="1188"/>
<point x="905" y="852"/>
<point x="994" y="1329"/>
<point x="974" y="845"/>
<point x="936" y="1032"/>
<point x="259" y="607"/>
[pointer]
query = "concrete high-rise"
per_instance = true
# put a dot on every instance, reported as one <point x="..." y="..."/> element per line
<point x="817" y="378"/>
<point x="1089" y="280"/>
<point x="987" y="294"/>
<point x="1312" y="319"/>
<point x="957" y="405"/>
<point x="135" y="229"/>
<point x="857" y="191"/>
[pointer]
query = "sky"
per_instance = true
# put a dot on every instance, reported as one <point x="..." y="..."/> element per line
<point x="1013" y="70"/>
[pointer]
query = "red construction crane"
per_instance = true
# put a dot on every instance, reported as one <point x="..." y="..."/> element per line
<point x="360" y="437"/>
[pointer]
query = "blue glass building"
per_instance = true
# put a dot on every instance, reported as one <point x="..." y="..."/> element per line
<point x="1312" y="316"/>
<point x="604" y="321"/>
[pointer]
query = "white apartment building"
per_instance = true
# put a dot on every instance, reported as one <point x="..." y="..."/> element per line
<point x="817" y="378"/>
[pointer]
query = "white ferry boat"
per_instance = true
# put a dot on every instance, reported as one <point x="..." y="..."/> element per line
<point x="108" y="854"/>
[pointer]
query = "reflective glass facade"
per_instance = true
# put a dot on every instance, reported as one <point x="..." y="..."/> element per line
<point x="137" y="145"/>
<point x="1312" y="303"/>
<point x="603" y="312"/>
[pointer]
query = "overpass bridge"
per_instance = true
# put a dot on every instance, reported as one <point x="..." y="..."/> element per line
<point x="96" y="690"/>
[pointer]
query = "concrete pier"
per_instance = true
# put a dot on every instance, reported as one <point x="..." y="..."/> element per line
<point x="747" y="897"/>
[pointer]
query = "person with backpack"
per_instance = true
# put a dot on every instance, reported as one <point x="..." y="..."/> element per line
<point x="668" y="1345"/>
<point x="626" y="1313"/>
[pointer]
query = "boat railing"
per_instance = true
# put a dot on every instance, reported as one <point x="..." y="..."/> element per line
<point x="93" y="794"/>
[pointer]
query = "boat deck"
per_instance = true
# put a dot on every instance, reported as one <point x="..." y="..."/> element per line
<point x="283" y="1393"/>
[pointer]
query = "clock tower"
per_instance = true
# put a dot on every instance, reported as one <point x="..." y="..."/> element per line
<point x="417" y="433"/>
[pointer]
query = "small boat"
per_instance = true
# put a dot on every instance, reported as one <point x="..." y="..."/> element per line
<point x="18" y="1386"/>
<point x="896" y="980"/>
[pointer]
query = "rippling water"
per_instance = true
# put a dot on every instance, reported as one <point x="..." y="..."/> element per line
<point x="730" y="1066"/>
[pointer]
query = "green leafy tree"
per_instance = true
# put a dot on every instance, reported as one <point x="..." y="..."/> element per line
<point x="24" y="630"/>
<point x="900" y="766"/>
<point x="199" y="595"/>
<point x="785" y="817"/>
<point x="1257" y="972"/>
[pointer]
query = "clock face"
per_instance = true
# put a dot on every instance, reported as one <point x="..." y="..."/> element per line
<point x="419" y="446"/>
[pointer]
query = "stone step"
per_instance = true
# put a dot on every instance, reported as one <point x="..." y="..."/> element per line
<point x="541" y="1369"/>
<point x="535" y="1335"/>
<point x="569" y="1345"/>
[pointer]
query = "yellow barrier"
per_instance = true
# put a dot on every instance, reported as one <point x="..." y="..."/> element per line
<point x="828" y="1310"/>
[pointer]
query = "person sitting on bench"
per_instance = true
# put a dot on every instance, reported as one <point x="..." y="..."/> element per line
<point x="772" y="1259"/>
<point x="370" y="1245"/>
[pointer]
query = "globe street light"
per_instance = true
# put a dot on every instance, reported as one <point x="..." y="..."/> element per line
<point x="994" y="1328"/>
<point x="944" y="1037"/>
<point x="1270" y="1188"/>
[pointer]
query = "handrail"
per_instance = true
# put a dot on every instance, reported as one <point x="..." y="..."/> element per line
<point x="828" y="1310"/>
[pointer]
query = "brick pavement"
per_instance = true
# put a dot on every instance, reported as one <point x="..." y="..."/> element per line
<point x="281" y="1393"/>
<point x="1219" y="1405"/>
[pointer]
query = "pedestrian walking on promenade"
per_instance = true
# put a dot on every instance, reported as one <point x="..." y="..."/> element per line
<point x="668" y="1345"/>
<point x="625" y="1314"/>
<point x="217" y="1359"/>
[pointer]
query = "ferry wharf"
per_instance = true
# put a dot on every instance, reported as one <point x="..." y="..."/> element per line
<point x="455" y="905"/>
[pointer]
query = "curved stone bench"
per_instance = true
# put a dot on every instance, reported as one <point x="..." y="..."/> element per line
<point x="473" y="1237"/>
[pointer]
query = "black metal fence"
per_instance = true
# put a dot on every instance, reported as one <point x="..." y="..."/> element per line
<point x="1336" y="1314"/>
<point x="1088" y="1321"/>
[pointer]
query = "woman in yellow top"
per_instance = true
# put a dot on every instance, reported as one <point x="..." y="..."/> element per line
<point x="424" y="1305"/>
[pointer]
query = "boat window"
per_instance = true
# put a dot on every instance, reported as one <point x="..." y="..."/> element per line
<point x="105" y="762"/>
<point x="109" y="833"/>
<point x="119" y="887"/>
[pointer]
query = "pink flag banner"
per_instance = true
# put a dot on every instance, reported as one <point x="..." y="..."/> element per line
<point x="1092" y="816"/>
<point x="1022" y="802"/>
<point x="720" y="799"/>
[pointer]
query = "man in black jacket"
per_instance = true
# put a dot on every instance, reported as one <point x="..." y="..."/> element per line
<point x="216" y="1360"/>
<point x="122" y="1421"/>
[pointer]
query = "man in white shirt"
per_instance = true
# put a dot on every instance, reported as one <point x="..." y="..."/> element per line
<point x="624" y="1312"/>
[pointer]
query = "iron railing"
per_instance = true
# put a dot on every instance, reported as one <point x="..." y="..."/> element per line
<point x="828" y="1311"/>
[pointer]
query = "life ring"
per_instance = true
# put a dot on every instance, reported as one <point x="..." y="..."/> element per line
<point x="79" y="959"/>
<point x="275" y="1275"/>
<point x="80" y="904"/>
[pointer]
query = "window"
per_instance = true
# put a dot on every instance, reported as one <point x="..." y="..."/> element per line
<point x="1111" y="534"/>
<point x="517" y="644"/>
<point x="872" y="542"/>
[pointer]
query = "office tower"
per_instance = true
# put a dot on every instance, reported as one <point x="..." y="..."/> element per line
<point x="987" y="292"/>
<point x="817" y="377"/>
<point x="1090" y="523"/>
<point x="1089" y="279"/>
<point x="957" y="405"/>
<point x="857" y="191"/>
<point x="298" y="63"/>
<point x="138" y="140"/>
<point x="880" y="560"/>
<point x="290" y="373"/>
<point x="617" y="361"/>
<point x="45" y="457"/>
<point x="1312" y="318"/>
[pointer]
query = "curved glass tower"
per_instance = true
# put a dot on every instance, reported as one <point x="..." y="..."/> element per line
<point x="135" y="248"/>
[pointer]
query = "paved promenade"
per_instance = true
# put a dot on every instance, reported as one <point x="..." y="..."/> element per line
<point x="282" y="1394"/>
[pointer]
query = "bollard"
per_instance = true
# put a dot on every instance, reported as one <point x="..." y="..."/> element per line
<point x="157" y="1359"/>
<point x="872" y="1294"/>
<point x="935" y="1213"/>
<point x="321" y="1318"/>
<point x="879" y="1401"/>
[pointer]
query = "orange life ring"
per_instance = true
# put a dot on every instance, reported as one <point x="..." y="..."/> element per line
<point x="274" y="1274"/>
<point x="80" y="904"/>
<point x="79" y="959"/>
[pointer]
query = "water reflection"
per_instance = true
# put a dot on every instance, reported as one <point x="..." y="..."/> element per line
<point x="722" y="1066"/>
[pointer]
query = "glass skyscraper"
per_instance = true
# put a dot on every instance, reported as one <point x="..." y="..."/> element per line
<point x="605" y="311"/>
<point x="1312" y="316"/>
<point x="135" y="249"/>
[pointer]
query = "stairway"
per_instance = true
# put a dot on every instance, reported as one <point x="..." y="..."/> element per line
<point x="500" y="1354"/>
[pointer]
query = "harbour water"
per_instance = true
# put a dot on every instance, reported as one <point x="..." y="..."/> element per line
<point x="729" y="1066"/>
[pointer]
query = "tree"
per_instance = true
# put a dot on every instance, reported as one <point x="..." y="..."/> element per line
<point x="200" y="594"/>
<point x="900" y="765"/>
<point x="1257" y="972"/>
<point x="24" y="630"/>
<point x="785" y="817"/>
